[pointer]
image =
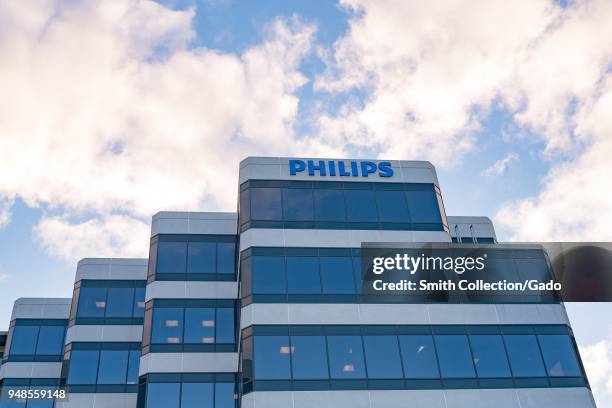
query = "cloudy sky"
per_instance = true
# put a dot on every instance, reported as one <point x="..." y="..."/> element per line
<point x="111" y="111"/>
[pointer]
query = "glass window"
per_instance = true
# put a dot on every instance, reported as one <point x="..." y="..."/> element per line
<point x="423" y="206"/>
<point x="309" y="357"/>
<point x="226" y="256"/>
<point x="139" y="302"/>
<point x="419" y="356"/>
<point x="83" y="367"/>
<point x="268" y="274"/>
<point x="489" y="356"/>
<point x="303" y="275"/>
<point x="197" y="395"/>
<point x="382" y="357"/>
<point x="337" y="274"/>
<point x="297" y="204"/>
<point x="524" y="355"/>
<point x="271" y="357"/>
<point x="113" y="367"/>
<point x="92" y="302"/>
<point x="120" y="302"/>
<point x="361" y="205"/>
<point x="163" y="395"/>
<point x="167" y="325"/>
<point x="23" y="341"/>
<point x="329" y="205"/>
<point x="201" y="257"/>
<point x="133" y="364"/>
<point x="392" y="206"/>
<point x="225" y="325"/>
<point x="454" y="356"/>
<point x="200" y="325"/>
<point x="346" y="357"/>
<point x="266" y="204"/>
<point x="559" y="356"/>
<point x="224" y="395"/>
<point x="171" y="257"/>
<point x="51" y="340"/>
<point x="357" y="273"/>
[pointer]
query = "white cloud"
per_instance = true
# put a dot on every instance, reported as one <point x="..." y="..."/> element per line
<point x="597" y="359"/>
<point x="5" y="211"/>
<point x="104" y="110"/>
<point x="501" y="166"/>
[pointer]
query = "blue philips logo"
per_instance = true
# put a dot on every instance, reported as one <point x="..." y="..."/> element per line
<point x="340" y="168"/>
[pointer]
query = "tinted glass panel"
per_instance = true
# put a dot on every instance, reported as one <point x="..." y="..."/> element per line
<point x="272" y="357"/>
<point x="201" y="257"/>
<point x="297" y="204"/>
<point x="24" y="340"/>
<point x="133" y="363"/>
<point x="392" y="206"/>
<point x="200" y="325"/>
<point x="266" y="204"/>
<point x="337" y="274"/>
<point x="454" y="356"/>
<point x="423" y="206"/>
<point x="113" y="367"/>
<point x="50" y="340"/>
<point x="83" y="367"/>
<point x="167" y="325"/>
<point x="329" y="205"/>
<point x="225" y="325"/>
<point x="361" y="205"/>
<point x="92" y="302"/>
<point x="559" y="356"/>
<point x="139" y="302"/>
<point x="171" y="257"/>
<point x="489" y="356"/>
<point x="309" y="357"/>
<point x="268" y="274"/>
<point x="382" y="357"/>
<point x="224" y="395"/>
<point x="303" y="275"/>
<point x="120" y="302"/>
<point x="226" y="255"/>
<point x="419" y="357"/>
<point x="197" y="395"/>
<point x="163" y="395"/>
<point x="346" y="357"/>
<point x="524" y="355"/>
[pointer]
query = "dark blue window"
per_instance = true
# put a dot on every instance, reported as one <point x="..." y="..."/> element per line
<point x="167" y="325"/>
<point x="346" y="357"/>
<point x="171" y="257"/>
<point x="224" y="396"/>
<point x="454" y="356"/>
<point x="392" y="206"/>
<point x="133" y="364"/>
<point x="113" y="366"/>
<point x="120" y="302"/>
<point x="272" y="358"/>
<point x="225" y="325"/>
<point x="163" y="395"/>
<point x="139" y="302"/>
<point x="329" y="205"/>
<point x="201" y="257"/>
<point x="23" y="341"/>
<point x="419" y="356"/>
<point x="382" y="357"/>
<point x="50" y="340"/>
<point x="423" y="206"/>
<point x="309" y="358"/>
<point x="361" y="205"/>
<point x="266" y="204"/>
<point x="559" y="356"/>
<point x="337" y="274"/>
<point x="200" y="325"/>
<point x="83" y="367"/>
<point x="524" y="355"/>
<point x="489" y="356"/>
<point x="197" y="395"/>
<point x="226" y="256"/>
<point x="357" y="273"/>
<point x="92" y="302"/>
<point x="297" y="204"/>
<point x="268" y="274"/>
<point x="303" y="275"/>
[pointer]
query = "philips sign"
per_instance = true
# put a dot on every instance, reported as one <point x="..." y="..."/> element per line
<point x="340" y="168"/>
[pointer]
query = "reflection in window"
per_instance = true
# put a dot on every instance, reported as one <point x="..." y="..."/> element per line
<point x="489" y="356"/>
<point x="226" y="255"/>
<point x="167" y="325"/>
<point x="423" y="206"/>
<point x="524" y="355"/>
<point x="382" y="357"/>
<point x="201" y="257"/>
<point x="163" y="395"/>
<point x="116" y="301"/>
<point x="171" y="257"/>
<point x="33" y="340"/>
<point x="83" y="367"/>
<point x="120" y="302"/>
<point x="197" y="395"/>
<point x="297" y="204"/>
<point x="329" y="205"/>
<point x="361" y="206"/>
<point x="272" y="353"/>
<point x="419" y="356"/>
<point x="50" y="340"/>
<point x="113" y="366"/>
<point x="309" y="359"/>
<point x="268" y="274"/>
<point x="346" y="357"/>
<point x="266" y="204"/>
<point x="392" y="206"/>
<point x="303" y="275"/>
<point x="200" y="325"/>
<point x="454" y="356"/>
<point x="92" y="302"/>
<point x="559" y="356"/>
<point x="24" y="340"/>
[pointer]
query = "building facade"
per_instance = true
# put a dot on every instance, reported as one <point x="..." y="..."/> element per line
<point x="263" y="308"/>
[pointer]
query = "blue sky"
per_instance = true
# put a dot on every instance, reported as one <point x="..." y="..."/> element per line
<point x="144" y="106"/>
